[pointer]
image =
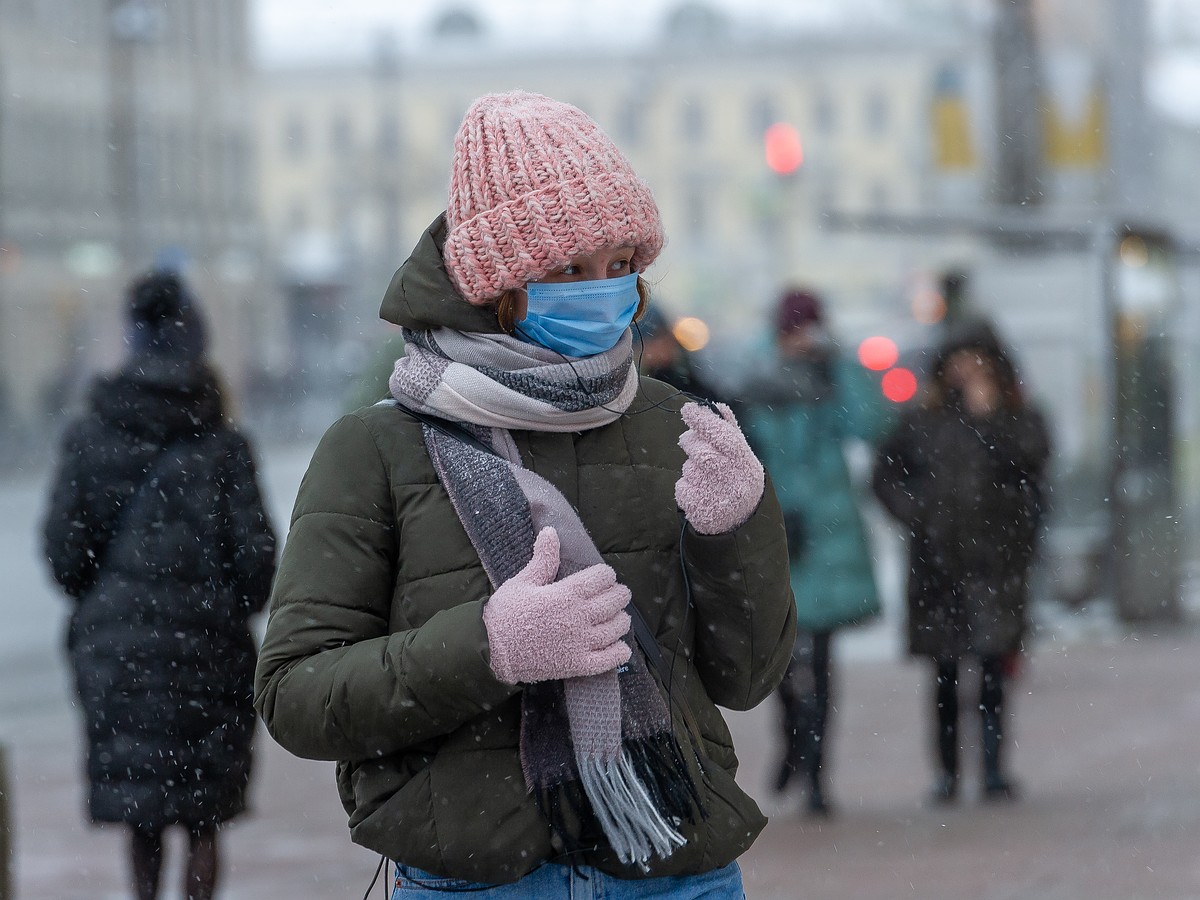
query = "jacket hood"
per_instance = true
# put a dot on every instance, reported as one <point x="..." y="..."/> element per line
<point x="159" y="399"/>
<point x="976" y="333"/>
<point x="421" y="295"/>
<point x="972" y="332"/>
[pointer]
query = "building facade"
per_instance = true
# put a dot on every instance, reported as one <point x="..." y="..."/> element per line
<point x="125" y="143"/>
<point x="354" y="161"/>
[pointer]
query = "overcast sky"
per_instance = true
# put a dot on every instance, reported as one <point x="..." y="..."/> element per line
<point x="318" y="30"/>
<point x="306" y="29"/>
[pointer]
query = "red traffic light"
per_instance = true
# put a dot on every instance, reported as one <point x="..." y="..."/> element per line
<point x="781" y="144"/>
<point x="899" y="385"/>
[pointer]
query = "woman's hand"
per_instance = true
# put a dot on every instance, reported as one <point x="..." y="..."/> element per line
<point x="975" y="378"/>
<point x="540" y="629"/>
<point x="722" y="480"/>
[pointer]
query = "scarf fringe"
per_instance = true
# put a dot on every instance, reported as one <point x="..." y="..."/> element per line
<point x="660" y="767"/>
<point x="635" y="828"/>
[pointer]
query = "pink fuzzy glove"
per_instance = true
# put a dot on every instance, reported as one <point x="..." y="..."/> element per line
<point x="540" y="629"/>
<point x="722" y="479"/>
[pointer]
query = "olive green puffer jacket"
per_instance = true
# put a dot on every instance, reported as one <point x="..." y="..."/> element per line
<point x="376" y="655"/>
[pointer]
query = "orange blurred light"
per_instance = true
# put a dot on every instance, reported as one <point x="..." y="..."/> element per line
<point x="878" y="353"/>
<point x="691" y="333"/>
<point x="928" y="306"/>
<point x="899" y="385"/>
<point x="784" y="153"/>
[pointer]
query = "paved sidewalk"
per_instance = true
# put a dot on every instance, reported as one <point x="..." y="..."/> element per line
<point x="1106" y="733"/>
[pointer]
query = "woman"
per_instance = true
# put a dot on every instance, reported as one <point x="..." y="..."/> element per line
<point x="963" y="473"/>
<point x="156" y="528"/>
<point x="800" y="419"/>
<point x="452" y="617"/>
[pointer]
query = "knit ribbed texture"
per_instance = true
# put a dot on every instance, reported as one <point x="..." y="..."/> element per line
<point x="535" y="183"/>
<point x="597" y="751"/>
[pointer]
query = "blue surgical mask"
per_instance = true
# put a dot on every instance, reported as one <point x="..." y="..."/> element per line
<point x="579" y="318"/>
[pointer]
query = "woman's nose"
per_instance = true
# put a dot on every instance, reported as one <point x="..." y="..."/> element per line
<point x="597" y="271"/>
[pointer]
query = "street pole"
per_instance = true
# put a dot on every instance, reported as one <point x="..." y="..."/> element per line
<point x="122" y="126"/>
<point x="1016" y="72"/>
<point x="6" y="848"/>
<point x="1130" y="144"/>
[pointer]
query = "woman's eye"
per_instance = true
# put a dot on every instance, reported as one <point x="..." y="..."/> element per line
<point x="620" y="265"/>
<point x="569" y="270"/>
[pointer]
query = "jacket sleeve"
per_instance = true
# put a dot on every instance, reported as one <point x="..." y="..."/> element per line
<point x="746" y="617"/>
<point x="895" y="473"/>
<point x="251" y="539"/>
<point x="332" y="683"/>
<point x="72" y="533"/>
<point x="1022" y="441"/>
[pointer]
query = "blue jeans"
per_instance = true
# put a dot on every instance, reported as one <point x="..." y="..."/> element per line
<point x="557" y="882"/>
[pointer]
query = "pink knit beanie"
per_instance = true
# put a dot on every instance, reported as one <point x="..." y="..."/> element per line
<point x="535" y="183"/>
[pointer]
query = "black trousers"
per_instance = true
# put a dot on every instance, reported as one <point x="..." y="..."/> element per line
<point x="991" y="709"/>
<point x="804" y="693"/>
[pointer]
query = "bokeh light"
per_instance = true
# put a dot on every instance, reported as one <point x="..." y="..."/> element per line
<point x="899" y="385"/>
<point x="928" y="306"/>
<point x="692" y="333"/>
<point x="1133" y="251"/>
<point x="878" y="353"/>
<point x="781" y="143"/>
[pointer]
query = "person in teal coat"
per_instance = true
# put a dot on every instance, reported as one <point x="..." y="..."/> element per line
<point x="799" y="418"/>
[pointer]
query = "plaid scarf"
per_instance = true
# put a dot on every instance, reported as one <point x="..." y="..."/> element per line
<point x="500" y="382"/>
<point x="598" y="753"/>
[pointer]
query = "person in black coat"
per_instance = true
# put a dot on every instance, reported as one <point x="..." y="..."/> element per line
<point x="964" y="473"/>
<point x="156" y="529"/>
<point x="660" y="355"/>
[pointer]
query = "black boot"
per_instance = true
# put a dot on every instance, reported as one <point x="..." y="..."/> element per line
<point x="945" y="789"/>
<point x="796" y="696"/>
<point x="822" y="666"/>
<point x="793" y="728"/>
<point x="996" y="784"/>
<point x="817" y="804"/>
<point x="783" y="776"/>
<point x="945" y="785"/>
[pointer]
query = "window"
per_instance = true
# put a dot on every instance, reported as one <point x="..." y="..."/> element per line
<point x="389" y="135"/>
<point x="763" y="114"/>
<point x="824" y="112"/>
<point x="631" y="121"/>
<point x="695" y="122"/>
<point x="297" y="217"/>
<point x="695" y="207"/>
<point x="341" y="135"/>
<point x="295" y="138"/>
<point x="877" y="113"/>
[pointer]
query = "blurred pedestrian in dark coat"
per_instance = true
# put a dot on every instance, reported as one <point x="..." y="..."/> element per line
<point x="799" y="418"/>
<point x="157" y="530"/>
<point x="661" y="356"/>
<point x="964" y="474"/>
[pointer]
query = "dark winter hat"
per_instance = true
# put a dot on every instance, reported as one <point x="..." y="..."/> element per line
<point x="973" y="332"/>
<point x="797" y="307"/>
<point x="163" y="317"/>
